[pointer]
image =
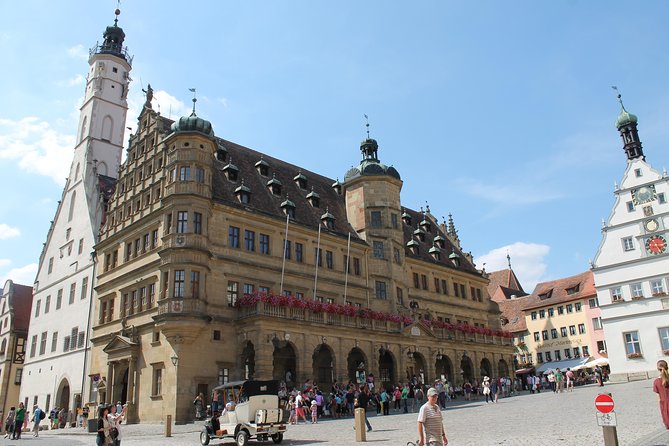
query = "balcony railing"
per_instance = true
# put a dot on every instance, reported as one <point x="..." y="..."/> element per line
<point x="181" y="306"/>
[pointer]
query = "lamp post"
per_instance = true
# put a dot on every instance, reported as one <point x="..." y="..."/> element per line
<point x="175" y="360"/>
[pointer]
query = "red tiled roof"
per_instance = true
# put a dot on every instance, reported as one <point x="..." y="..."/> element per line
<point x="505" y="281"/>
<point x="555" y="292"/>
<point x="512" y="311"/>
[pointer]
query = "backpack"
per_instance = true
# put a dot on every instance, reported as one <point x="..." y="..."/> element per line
<point x="42" y="415"/>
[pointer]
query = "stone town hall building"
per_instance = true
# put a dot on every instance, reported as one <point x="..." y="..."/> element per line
<point x="200" y="231"/>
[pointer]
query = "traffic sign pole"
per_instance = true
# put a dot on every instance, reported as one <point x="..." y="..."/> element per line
<point x="604" y="403"/>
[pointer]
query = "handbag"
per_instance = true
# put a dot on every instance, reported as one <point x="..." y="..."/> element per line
<point x="113" y="433"/>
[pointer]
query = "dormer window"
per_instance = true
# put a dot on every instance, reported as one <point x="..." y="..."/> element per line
<point x="425" y="225"/>
<point x="262" y="167"/>
<point x="572" y="290"/>
<point x="231" y="171"/>
<point x="413" y="246"/>
<point x="328" y="219"/>
<point x="337" y="187"/>
<point x="301" y="180"/>
<point x="435" y="253"/>
<point x="439" y="241"/>
<point x="406" y="218"/>
<point x="419" y="234"/>
<point x="243" y="193"/>
<point x="454" y="258"/>
<point x="546" y="295"/>
<point x="274" y="185"/>
<point x="314" y="198"/>
<point x="288" y="208"/>
<point x="221" y="153"/>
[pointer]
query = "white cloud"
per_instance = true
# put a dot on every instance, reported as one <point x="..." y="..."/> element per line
<point x="527" y="261"/>
<point x="8" y="232"/>
<point x="3" y="263"/>
<point x="37" y="147"/>
<point x="76" y="80"/>
<point x="78" y="52"/>
<point x="24" y="275"/>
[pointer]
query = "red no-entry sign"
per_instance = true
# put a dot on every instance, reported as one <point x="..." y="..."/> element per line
<point x="604" y="403"/>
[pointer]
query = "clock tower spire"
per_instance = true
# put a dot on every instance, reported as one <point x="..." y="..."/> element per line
<point x="626" y="125"/>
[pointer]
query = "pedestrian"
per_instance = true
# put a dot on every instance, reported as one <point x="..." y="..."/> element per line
<point x="431" y="430"/>
<point x="115" y="419"/>
<point x="404" y="396"/>
<point x="314" y="412"/>
<point x="291" y="407"/>
<point x="385" y="402"/>
<point x="9" y="421"/>
<point x="661" y="387"/>
<point x="598" y="376"/>
<point x="570" y="380"/>
<point x="198" y="402"/>
<point x="486" y="388"/>
<point x="559" y="380"/>
<point x="299" y="408"/>
<point x="103" y="437"/>
<point x="411" y="398"/>
<point x="18" y="421"/>
<point x="397" y="398"/>
<point x="420" y="395"/>
<point x="38" y="415"/>
<point x="362" y="402"/>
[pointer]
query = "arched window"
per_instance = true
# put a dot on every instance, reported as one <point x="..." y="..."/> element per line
<point x="107" y="127"/>
<point x="4" y="346"/>
<point x="84" y="128"/>
<point x="102" y="168"/>
<point x="71" y="212"/>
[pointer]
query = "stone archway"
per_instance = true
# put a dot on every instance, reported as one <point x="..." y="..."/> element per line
<point x="503" y="368"/>
<point x="63" y="394"/>
<point x="417" y="367"/>
<point x="323" y="366"/>
<point x="356" y="363"/>
<point x="443" y="368"/>
<point x="248" y="361"/>
<point x="119" y="390"/>
<point x="466" y="369"/>
<point x="386" y="368"/>
<point x="284" y="363"/>
<point x="486" y="368"/>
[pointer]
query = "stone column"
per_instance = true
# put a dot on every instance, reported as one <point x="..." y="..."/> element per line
<point x="132" y="408"/>
<point x="110" y="382"/>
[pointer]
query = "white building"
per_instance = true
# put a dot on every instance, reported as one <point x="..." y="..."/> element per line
<point x="55" y="371"/>
<point x="631" y="267"/>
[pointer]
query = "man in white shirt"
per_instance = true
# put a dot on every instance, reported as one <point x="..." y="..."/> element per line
<point x="431" y="430"/>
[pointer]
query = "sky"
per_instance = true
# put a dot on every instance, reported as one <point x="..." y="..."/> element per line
<point x="500" y="113"/>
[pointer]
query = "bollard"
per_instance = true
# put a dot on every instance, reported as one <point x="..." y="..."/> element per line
<point x="360" y="431"/>
<point x="168" y="426"/>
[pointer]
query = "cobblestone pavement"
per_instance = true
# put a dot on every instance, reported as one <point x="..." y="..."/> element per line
<point x="532" y="420"/>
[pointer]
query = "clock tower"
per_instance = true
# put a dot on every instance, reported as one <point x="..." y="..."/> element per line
<point x="631" y="264"/>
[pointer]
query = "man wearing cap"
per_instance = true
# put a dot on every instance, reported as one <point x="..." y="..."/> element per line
<point x="431" y="430"/>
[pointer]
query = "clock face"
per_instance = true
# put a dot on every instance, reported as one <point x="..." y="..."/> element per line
<point x="656" y="244"/>
<point x="651" y="225"/>
<point x="644" y="194"/>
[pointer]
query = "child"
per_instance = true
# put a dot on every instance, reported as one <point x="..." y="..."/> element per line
<point x="314" y="412"/>
<point x="293" y="418"/>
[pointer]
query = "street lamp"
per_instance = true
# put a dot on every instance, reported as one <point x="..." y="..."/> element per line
<point x="175" y="360"/>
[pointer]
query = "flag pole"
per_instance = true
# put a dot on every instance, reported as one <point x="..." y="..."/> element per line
<point x="285" y="247"/>
<point x="318" y="256"/>
<point x="348" y="261"/>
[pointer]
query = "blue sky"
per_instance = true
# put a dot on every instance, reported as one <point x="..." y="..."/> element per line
<point x="498" y="112"/>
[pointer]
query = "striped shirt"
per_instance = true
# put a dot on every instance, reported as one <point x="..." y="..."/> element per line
<point x="430" y="416"/>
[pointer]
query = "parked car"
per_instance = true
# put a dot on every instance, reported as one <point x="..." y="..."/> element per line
<point x="251" y="412"/>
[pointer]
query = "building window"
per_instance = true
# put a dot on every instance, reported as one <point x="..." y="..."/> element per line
<point x="81" y="246"/>
<point x="376" y="219"/>
<point x="381" y="290"/>
<point x="567" y="353"/>
<point x="436" y="285"/>
<point x="50" y="265"/>
<point x="318" y="256"/>
<point x="329" y="261"/>
<point x="577" y="306"/>
<point x="199" y="175"/>
<point x="217" y="335"/>
<point x="560" y="310"/>
<point x="37" y="307"/>
<point x="558" y="355"/>
<point x="248" y="288"/>
<point x="157" y="383"/>
<point x="264" y="244"/>
<point x="536" y="336"/>
<point x="664" y="337"/>
<point x="548" y="357"/>
<point x="628" y="244"/>
<point x="154" y="239"/>
<point x="661" y="198"/>
<point x="249" y="240"/>
<point x="544" y="335"/>
<point x="551" y="312"/>
<point x="356" y="266"/>
<point x="84" y="288"/>
<point x="42" y="343"/>
<point x="197" y="223"/>
<point x="286" y="249"/>
<point x="632" y="344"/>
<point x="397" y="256"/>
<point x="601" y="346"/>
<point x="299" y="252"/>
<point x="554" y="333"/>
<point x="73" y="290"/>
<point x="534" y="315"/>
<point x="581" y="328"/>
<point x="630" y="206"/>
<point x="570" y="308"/>
<point x="577" y="352"/>
<point x="182" y="222"/>
<point x="586" y="350"/>
<point x="416" y="280"/>
<point x="393" y="221"/>
<point x="233" y="237"/>
<point x="168" y="223"/>
<point x="637" y="290"/>
<point x="194" y="284"/>
<point x="233" y="291"/>
<point x="542" y="314"/>
<point x="597" y="323"/>
<point x="540" y="357"/>
<point x="657" y="287"/>
<point x="223" y="376"/>
<point x="179" y="282"/>
<point x="593" y="303"/>
<point x="184" y="173"/>
<point x="572" y="330"/>
<point x="378" y="249"/>
<point x="400" y="296"/>
<point x="54" y="341"/>
<point x="59" y="299"/>
<point x="33" y="346"/>
<point x="563" y="332"/>
<point x="47" y="304"/>
<point x="423" y="281"/>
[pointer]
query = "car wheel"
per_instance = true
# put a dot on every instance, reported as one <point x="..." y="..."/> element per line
<point x="277" y="438"/>
<point x="204" y="437"/>
<point x="242" y="438"/>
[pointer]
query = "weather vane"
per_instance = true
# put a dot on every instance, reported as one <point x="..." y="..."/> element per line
<point x="117" y="12"/>
<point x="367" y="125"/>
<point x="620" y="97"/>
<point x="192" y="90"/>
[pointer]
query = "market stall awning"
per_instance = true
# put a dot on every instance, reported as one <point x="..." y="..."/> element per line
<point x="562" y="365"/>
<point x="593" y="363"/>
<point x="525" y="370"/>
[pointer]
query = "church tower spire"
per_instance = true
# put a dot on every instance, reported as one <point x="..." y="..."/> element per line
<point x="626" y="125"/>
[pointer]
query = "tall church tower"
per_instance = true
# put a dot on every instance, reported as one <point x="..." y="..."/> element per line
<point x="63" y="290"/>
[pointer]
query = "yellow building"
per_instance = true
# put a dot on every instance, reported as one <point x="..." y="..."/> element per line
<point x="559" y="316"/>
<point x="202" y="236"/>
